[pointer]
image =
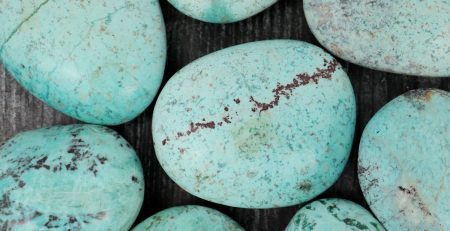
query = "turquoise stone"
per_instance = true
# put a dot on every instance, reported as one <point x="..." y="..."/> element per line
<point x="406" y="37"/>
<point x="75" y="177"/>
<point x="259" y="125"/>
<point x="189" y="218"/>
<point x="221" y="11"/>
<point x="333" y="214"/>
<point x="404" y="161"/>
<point x="98" y="61"/>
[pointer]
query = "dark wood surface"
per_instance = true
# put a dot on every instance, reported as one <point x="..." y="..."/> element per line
<point x="188" y="40"/>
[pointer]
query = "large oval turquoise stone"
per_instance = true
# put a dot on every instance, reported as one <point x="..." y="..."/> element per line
<point x="98" y="61"/>
<point x="333" y="214"/>
<point x="404" y="161"/>
<point x="407" y="37"/>
<point x="189" y="218"/>
<point x="221" y="11"/>
<point x="259" y="125"/>
<point x="76" y="177"/>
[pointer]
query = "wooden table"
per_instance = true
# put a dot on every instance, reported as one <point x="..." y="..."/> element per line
<point x="188" y="40"/>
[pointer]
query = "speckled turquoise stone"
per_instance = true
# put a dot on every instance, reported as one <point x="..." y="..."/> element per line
<point x="333" y="214"/>
<point x="221" y="11"/>
<point x="404" y="162"/>
<point x="76" y="177"/>
<point x="407" y="37"/>
<point x="189" y="218"/>
<point x="98" y="61"/>
<point x="259" y="125"/>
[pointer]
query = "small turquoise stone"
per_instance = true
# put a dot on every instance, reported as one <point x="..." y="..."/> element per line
<point x="75" y="177"/>
<point x="259" y="125"/>
<point x="333" y="214"/>
<point x="189" y="218"/>
<point x="98" y="61"/>
<point x="404" y="161"/>
<point x="406" y="37"/>
<point x="221" y="11"/>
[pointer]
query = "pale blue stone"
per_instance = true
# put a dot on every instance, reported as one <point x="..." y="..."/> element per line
<point x="259" y="125"/>
<point x="189" y="218"/>
<point x="407" y="37"/>
<point x="404" y="161"/>
<point x="75" y="177"/>
<point x="221" y="11"/>
<point x="333" y="214"/>
<point x="98" y="61"/>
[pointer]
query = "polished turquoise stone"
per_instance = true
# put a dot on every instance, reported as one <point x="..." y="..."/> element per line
<point x="221" y="11"/>
<point x="407" y="37"/>
<point x="404" y="161"/>
<point x="259" y="125"/>
<point x="98" y="61"/>
<point x="189" y="218"/>
<point x="75" y="177"/>
<point x="333" y="214"/>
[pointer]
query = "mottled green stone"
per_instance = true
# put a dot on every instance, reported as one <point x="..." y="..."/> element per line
<point x="189" y="218"/>
<point x="221" y="11"/>
<point x="333" y="214"/>
<point x="404" y="161"/>
<point x="75" y="177"/>
<point x="98" y="61"/>
<point x="258" y="125"/>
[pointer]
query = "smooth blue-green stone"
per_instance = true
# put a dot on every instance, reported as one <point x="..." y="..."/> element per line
<point x="404" y="161"/>
<point x="221" y="11"/>
<point x="333" y="214"/>
<point x="75" y="177"/>
<point x="259" y="125"/>
<point x="98" y="61"/>
<point x="189" y="218"/>
<point x="406" y="37"/>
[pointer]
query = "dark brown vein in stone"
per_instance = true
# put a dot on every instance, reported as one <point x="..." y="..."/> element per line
<point x="279" y="91"/>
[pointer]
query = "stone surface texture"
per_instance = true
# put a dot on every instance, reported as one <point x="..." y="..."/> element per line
<point x="259" y="125"/>
<point x="404" y="162"/>
<point x="98" y="61"/>
<point x="333" y="214"/>
<point x="409" y="37"/>
<point x="221" y="11"/>
<point x="75" y="177"/>
<point x="189" y="218"/>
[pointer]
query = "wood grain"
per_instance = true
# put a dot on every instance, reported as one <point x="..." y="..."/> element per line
<point x="188" y="40"/>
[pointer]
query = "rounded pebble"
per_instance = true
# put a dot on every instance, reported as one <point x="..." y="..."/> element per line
<point x="406" y="37"/>
<point x="404" y="161"/>
<point x="221" y="11"/>
<point x="75" y="177"/>
<point x="333" y="214"/>
<point x="259" y="125"/>
<point x="98" y="61"/>
<point x="189" y="218"/>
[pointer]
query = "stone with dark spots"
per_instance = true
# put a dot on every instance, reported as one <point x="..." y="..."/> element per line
<point x="73" y="177"/>
<point x="404" y="159"/>
<point x="334" y="214"/>
<point x="275" y="113"/>
<point x="407" y="37"/>
<point x="189" y="218"/>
